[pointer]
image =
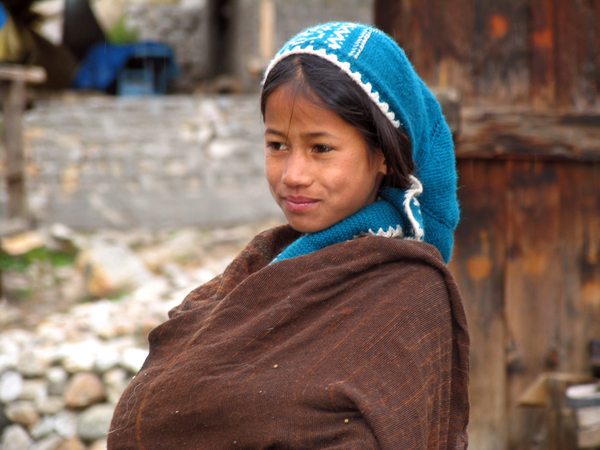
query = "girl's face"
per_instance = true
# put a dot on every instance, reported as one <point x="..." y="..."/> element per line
<point x="319" y="168"/>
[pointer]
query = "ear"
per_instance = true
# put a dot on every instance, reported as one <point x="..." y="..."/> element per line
<point x="382" y="164"/>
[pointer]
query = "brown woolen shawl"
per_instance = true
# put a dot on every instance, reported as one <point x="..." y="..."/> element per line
<point x="361" y="345"/>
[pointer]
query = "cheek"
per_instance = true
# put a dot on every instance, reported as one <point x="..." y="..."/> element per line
<point x="272" y="171"/>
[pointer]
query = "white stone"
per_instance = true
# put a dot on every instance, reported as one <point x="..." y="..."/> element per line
<point x="23" y="413"/>
<point x="43" y="428"/>
<point x="111" y="269"/>
<point x="11" y="386"/>
<point x="34" y="390"/>
<point x="50" y="442"/>
<point x="50" y="405"/>
<point x="100" y="315"/>
<point x="66" y="424"/>
<point x="78" y="357"/>
<point x="15" y="438"/>
<point x="51" y="333"/>
<point x="209" y="109"/>
<point x="107" y="357"/>
<point x="150" y="291"/>
<point x="8" y="346"/>
<point x="16" y="339"/>
<point x="62" y="232"/>
<point x="57" y="380"/>
<point x="133" y="359"/>
<point x="204" y="275"/>
<point x="116" y="381"/>
<point x="8" y="362"/>
<point x="223" y="148"/>
<point x="94" y="422"/>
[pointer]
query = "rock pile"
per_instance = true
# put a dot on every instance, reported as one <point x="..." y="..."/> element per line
<point x="60" y="381"/>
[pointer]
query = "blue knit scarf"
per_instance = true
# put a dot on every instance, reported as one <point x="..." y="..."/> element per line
<point x="396" y="214"/>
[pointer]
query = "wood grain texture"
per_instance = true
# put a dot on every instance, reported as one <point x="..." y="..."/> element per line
<point x="529" y="72"/>
<point x="580" y="303"/>
<point x="426" y="37"/>
<point x="455" y="61"/>
<point x="572" y="25"/>
<point x="523" y="133"/>
<point x="544" y="53"/>
<point x="542" y="41"/>
<point x="478" y="266"/>
<point x="502" y="51"/>
<point x="532" y="289"/>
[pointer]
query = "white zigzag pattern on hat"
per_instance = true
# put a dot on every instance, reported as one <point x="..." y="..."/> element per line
<point x="345" y="66"/>
<point x="416" y="189"/>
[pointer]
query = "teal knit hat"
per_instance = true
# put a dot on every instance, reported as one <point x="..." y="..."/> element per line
<point x="376" y="63"/>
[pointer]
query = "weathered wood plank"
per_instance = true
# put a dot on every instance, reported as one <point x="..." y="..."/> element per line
<point x="589" y="260"/>
<point x="28" y="74"/>
<point x="455" y="62"/>
<point x="580" y="257"/>
<point x="532" y="290"/>
<point x="595" y="63"/>
<point x="426" y="37"/>
<point x="540" y="52"/>
<point x="500" y="51"/>
<point x="560" y="423"/>
<point x="478" y="266"/>
<point x="543" y="76"/>
<point x="398" y="22"/>
<point x="573" y="24"/>
<point x="388" y="15"/>
<point x="524" y="134"/>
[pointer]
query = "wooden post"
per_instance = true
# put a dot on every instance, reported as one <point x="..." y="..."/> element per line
<point x="13" y="104"/>
<point x="12" y="95"/>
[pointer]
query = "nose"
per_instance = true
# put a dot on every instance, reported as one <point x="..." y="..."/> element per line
<point x="296" y="171"/>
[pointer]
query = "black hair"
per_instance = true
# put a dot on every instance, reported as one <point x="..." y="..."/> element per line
<point x="326" y="85"/>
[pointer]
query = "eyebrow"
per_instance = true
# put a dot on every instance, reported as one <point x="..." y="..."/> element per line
<point x="310" y="135"/>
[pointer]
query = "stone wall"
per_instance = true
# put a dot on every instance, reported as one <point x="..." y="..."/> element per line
<point x="253" y="31"/>
<point x="154" y="162"/>
<point x="185" y="26"/>
<point x="287" y="18"/>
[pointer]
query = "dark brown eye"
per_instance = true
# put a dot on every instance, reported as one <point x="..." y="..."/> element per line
<point x="277" y="146"/>
<point x="322" y="149"/>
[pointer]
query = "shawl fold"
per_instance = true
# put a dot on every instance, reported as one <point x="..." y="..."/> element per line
<point x="361" y="345"/>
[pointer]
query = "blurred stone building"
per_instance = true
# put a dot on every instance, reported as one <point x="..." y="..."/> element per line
<point x="231" y="40"/>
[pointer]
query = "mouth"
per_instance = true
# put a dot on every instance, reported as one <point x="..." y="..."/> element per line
<point x="299" y="203"/>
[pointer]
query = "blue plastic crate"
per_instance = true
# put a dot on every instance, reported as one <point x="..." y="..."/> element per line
<point x="135" y="82"/>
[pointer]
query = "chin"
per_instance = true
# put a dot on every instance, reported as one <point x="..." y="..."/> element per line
<point x="302" y="227"/>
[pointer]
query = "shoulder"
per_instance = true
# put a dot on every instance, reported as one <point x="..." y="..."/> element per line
<point x="384" y="275"/>
<point x="261" y="250"/>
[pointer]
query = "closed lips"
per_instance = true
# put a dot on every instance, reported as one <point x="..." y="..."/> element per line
<point x="299" y="203"/>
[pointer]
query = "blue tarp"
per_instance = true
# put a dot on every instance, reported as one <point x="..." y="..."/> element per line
<point x="104" y="61"/>
<point x="3" y="15"/>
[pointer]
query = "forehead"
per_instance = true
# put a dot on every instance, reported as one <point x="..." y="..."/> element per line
<point x="285" y="108"/>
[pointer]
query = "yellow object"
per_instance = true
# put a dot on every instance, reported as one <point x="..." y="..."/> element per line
<point x="15" y="42"/>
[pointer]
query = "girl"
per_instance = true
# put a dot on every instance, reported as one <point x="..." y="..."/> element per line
<point x="343" y="329"/>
